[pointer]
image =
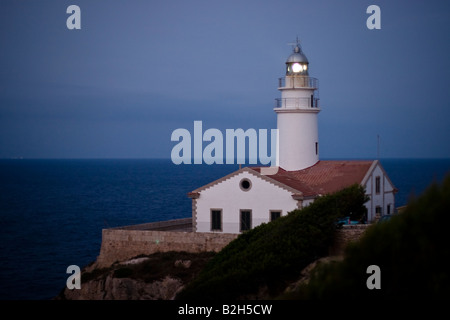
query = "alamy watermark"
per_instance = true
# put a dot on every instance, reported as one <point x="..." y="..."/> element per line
<point x="374" y="20"/>
<point x="74" y="280"/>
<point x="374" y="280"/>
<point x="218" y="151"/>
<point x="73" y="22"/>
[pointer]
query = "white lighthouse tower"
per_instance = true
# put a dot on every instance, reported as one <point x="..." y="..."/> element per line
<point x="297" y="114"/>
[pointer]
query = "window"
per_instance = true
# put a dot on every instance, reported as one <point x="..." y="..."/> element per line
<point x="388" y="209"/>
<point x="377" y="185"/>
<point x="317" y="148"/>
<point x="245" y="184"/>
<point x="378" y="210"/>
<point x="246" y="220"/>
<point x="274" y="215"/>
<point x="216" y="220"/>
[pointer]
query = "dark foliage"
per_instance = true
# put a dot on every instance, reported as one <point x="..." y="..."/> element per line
<point x="123" y="272"/>
<point x="161" y="264"/>
<point x="411" y="249"/>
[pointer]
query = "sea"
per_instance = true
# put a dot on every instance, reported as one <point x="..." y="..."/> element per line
<point x="52" y="212"/>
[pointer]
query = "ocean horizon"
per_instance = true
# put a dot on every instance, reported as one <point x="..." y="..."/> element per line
<point x="52" y="211"/>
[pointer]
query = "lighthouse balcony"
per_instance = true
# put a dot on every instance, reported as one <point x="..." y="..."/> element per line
<point x="297" y="103"/>
<point x="295" y="82"/>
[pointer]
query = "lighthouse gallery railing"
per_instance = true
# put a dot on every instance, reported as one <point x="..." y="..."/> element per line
<point x="297" y="103"/>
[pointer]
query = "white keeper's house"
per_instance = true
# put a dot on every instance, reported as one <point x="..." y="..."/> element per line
<point x="253" y="195"/>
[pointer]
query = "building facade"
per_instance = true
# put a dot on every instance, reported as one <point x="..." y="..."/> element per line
<point x="250" y="196"/>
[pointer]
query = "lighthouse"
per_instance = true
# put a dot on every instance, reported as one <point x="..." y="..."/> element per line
<point x="297" y="111"/>
<point x="262" y="194"/>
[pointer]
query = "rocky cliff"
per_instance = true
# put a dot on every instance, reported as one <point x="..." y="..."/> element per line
<point x="159" y="276"/>
<point x="110" y="288"/>
<point x="170" y="272"/>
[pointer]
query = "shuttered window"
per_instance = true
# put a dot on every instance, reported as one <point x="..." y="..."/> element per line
<point x="377" y="185"/>
<point x="378" y="210"/>
<point x="274" y="215"/>
<point x="216" y="220"/>
<point x="246" y="220"/>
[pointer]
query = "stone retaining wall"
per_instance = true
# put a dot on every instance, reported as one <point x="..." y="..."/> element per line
<point x="346" y="235"/>
<point x="120" y="244"/>
<point x="123" y="243"/>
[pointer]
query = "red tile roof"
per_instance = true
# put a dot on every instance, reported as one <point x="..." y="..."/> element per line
<point x="324" y="177"/>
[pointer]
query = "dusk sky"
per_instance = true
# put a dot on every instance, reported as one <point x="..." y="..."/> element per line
<point x="138" y="70"/>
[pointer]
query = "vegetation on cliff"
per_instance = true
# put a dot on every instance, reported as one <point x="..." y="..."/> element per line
<point x="266" y="258"/>
<point x="411" y="250"/>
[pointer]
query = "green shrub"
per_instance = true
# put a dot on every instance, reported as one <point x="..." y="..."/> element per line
<point x="123" y="272"/>
<point x="411" y="250"/>
<point x="88" y="276"/>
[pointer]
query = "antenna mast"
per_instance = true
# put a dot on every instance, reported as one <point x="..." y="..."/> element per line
<point x="296" y="43"/>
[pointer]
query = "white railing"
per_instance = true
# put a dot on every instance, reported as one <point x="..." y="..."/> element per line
<point x="297" y="103"/>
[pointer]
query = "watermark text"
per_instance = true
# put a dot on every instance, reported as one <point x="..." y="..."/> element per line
<point x="234" y="146"/>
